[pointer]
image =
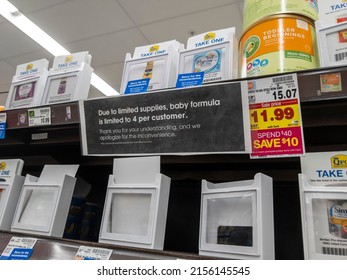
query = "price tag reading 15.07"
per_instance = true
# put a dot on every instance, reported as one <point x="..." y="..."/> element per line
<point x="275" y="117"/>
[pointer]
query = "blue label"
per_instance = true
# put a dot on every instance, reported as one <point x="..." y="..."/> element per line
<point x="18" y="254"/>
<point x="2" y="130"/>
<point x="137" y="86"/>
<point x="190" y="80"/>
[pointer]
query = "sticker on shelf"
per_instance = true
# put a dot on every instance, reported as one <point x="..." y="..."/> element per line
<point x="2" y="125"/>
<point x="190" y="80"/>
<point x="137" y="86"/>
<point x="40" y="116"/>
<point x="18" y="249"/>
<point x="90" y="253"/>
<point x="330" y="82"/>
<point x="3" y="117"/>
<point x="275" y="117"/>
<point x="39" y="136"/>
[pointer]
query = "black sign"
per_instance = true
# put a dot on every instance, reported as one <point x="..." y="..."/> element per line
<point x="205" y="119"/>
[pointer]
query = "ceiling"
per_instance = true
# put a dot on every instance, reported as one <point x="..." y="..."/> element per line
<point x="108" y="29"/>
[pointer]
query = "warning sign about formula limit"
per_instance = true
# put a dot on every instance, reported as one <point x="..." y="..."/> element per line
<point x="196" y="120"/>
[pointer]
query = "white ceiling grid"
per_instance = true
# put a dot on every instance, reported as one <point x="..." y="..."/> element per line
<point x="108" y="29"/>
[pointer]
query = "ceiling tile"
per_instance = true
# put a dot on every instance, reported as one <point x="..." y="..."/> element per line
<point x="81" y="19"/>
<point x="109" y="48"/>
<point x="181" y="28"/>
<point x="28" y="57"/>
<point x="148" y="11"/>
<point x="7" y="72"/>
<point x="14" y="42"/>
<point x="26" y="6"/>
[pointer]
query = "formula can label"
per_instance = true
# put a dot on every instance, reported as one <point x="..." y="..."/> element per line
<point x="255" y="10"/>
<point x="278" y="45"/>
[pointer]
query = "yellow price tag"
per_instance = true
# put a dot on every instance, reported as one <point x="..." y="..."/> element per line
<point x="274" y="116"/>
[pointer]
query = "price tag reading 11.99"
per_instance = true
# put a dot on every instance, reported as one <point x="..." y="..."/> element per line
<point x="274" y="114"/>
<point x="275" y="117"/>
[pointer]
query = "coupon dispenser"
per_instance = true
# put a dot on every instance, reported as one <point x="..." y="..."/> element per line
<point x="331" y="41"/>
<point x="44" y="201"/>
<point x="28" y="85"/>
<point x="69" y="78"/>
<point x="214" y="53"/>
<point x="136" y="204"/>
<point x="332" y="12"/>
<point x="324" y="220"/>
<point x="236" y="220"/>
<point x="11" y="183"/>
<point x="152" y="67"/>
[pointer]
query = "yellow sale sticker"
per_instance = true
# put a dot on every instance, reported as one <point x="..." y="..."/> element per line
<point x="274" y="115"/>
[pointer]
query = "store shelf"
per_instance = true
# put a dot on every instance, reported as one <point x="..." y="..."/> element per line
<point x="49" y="248"/>
<point x="310" y="84"/>
<point x="58" y="115"/>
<point x="324" y="123"/>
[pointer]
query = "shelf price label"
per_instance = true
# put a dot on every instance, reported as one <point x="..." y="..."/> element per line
<point x="275" y="117"/>
<point x="18" y="249"/>
<point x="90" y="253"/>
<point x="2" y="125"/>
<point x="39" y="116"/>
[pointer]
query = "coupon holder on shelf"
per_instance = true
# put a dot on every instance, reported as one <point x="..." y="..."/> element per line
<point x="213" y="53"/>
<point x="136" y="204"/>
<point x="152" y="67"/>
<point x="332" y="43"/>
<point x="11" y="183"/>
<point x="323" y="199"/>
<point x="331" y="29"/>
<point x="28" y="85"/>
<point x="332" y="11"/>
<point x="44" y="201"/>
<point x="236" y="220"/>
<point x="68" y="79"/>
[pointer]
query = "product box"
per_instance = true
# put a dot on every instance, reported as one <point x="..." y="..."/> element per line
<point x="323" y="198"/>
<point x="213" y="53"/>
<point x="136" y="204"/>
<point x="44" y="201"/>
<point x="332" y="43"/>
<point x="236" y="220"/>
<point x="11" y="183"/>
<point x="28" y="85"/>
<point x="152" y="67"/>
<point x="68" y="79"/>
